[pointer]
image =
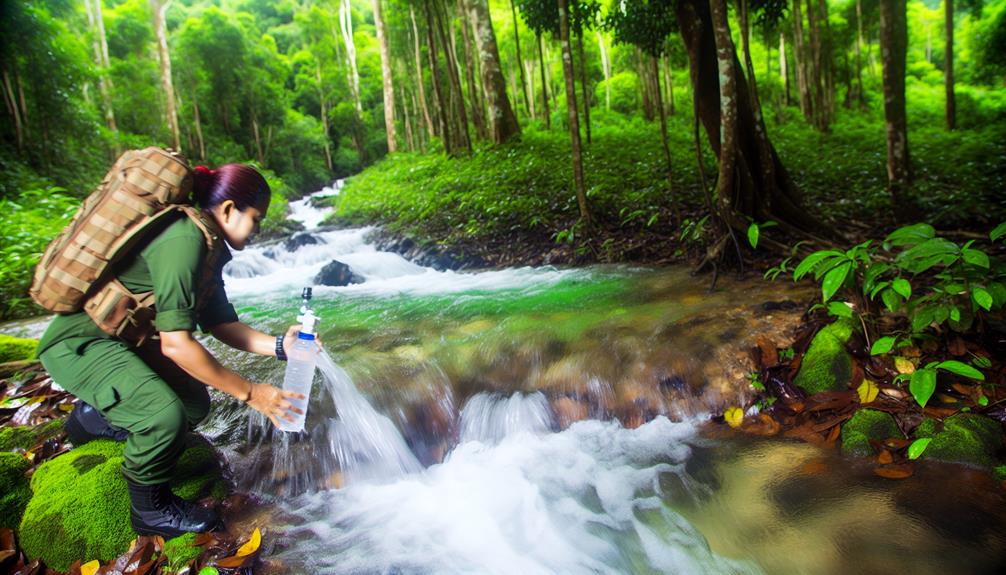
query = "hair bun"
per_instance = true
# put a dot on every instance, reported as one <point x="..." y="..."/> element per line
<point x="202" y="184"/>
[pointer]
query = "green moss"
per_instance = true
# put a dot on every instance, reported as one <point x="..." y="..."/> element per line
<point x="26" y="437"/>
<point x="180" y="551"/>
<point x="16" y="348"/>
<point x="967" y="438"/>
<point x="14" y="490"/>
<point x="928" y="428"/>
<point x="867" y="424"/>
<point x="827" y="366"/>
<point x="80" y="505"/>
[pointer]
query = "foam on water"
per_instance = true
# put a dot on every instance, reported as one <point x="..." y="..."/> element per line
<point x="585" y="500"/>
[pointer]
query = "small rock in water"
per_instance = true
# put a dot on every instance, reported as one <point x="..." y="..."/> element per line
<point x="299" y="240"/>
<point x="337" y="274"/>
<point x="770" y="306"/>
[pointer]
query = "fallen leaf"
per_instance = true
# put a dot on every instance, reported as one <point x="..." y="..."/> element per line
<point x="917" y="447"/>
<point x="902" y="471"/>
<point x="734" y="416"/>
<point x="90" y="568"/>
<point x="904" y="365"/>
<point x="868" y="391"/>
<point x="251" y="545"/>
<point x="885" y="457"/>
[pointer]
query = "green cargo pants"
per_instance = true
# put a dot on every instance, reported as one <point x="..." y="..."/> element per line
<point x="137" y="389"/>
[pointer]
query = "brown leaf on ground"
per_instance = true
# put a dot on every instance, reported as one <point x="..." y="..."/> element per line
<point x="831" y="400"/>
<point x="830" y="422"/>
<point x="769" y="353"/>
<point x="900" y="471"/>
<point x="833" y="436"/>
<point x="762" y="425"/>
<point x="885" y="457"/>
<point x="897" y="442"/>
<point x="957" y="347"/>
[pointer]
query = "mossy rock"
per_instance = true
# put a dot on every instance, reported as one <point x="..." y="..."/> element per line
<point x="26" y="437"/>
<point x="966" y="438"/>
<point x="827" y="366"/>
<point x="16" y="348"/>
<point x="180" y="551"/>
<point x="865" y="425"/>
<point x="14" y="490"/>
<point x="80" y="505"/>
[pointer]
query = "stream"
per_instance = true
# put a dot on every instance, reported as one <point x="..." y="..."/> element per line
<point x="556" y="420"/>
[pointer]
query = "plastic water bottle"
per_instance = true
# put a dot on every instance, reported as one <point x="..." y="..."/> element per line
<point x="300" y="366"/>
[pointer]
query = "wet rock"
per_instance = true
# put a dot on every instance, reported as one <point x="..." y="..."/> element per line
<point x="428" y="255"/>
<point x="300" y="240"/>
<point x="80" y="500"/>
<point x="966" y="438"/>
<point x="867" y="424"/>
<point x="337" y="274"/>
<point x="771" y="306"/>
<point x="827" y="365"/>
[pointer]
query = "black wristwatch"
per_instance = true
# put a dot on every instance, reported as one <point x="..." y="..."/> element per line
<point x="280" y="352"/>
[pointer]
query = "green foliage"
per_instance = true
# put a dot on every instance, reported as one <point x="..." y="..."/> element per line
<point x="80" y="500"/>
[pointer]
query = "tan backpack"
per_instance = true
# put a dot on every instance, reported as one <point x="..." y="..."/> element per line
<point x="141" y="191"/>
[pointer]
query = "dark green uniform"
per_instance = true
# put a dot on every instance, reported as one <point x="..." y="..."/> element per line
<point x="139" y="389"/>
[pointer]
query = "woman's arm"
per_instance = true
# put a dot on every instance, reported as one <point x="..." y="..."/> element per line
<point x="183" y="349"/>
<point x="245" y="338"/>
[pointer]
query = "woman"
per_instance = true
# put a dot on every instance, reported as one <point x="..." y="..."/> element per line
<point x="153" y="394"/>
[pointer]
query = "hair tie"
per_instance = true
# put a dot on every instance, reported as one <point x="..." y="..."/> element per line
<point x="205" y="170"/>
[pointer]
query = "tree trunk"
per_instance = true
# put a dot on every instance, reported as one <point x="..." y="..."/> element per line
<point x="583" y="85"/>
<point x="645" y="92"/>
<point x="948" y="65"/>
<point x="259" y="155"/>
<point x="574" y="123"/>
<point x="544" y="85"/>
<point x="346" y="25"/>
<point x="800" y="58"/>
<point x="474" y="94"/>
<point x="828" y="64"/>
<point x="520" y="61"/>
<point x="606" y="68"/>
<point x="748" y="164"/>
<point x="407" y="121"/>
<point x="502" y="120"/>
<point x="893" y="50"/>
<point x="746" y="43"/>
<point x="199" y="129"/>
<point x="159" y="8"/>
<point x="97" y="21"/>
<point x="669" y="82"/>
<point x="12" y="108"/>
<point x="728" y="71"/>
<point x="445" y="131"/>
<point x="458" y="112"/>
<point x="324" y="115"/>
<point x="820" y="116"/>
<point x="783" y="72"/>
<point x="860" y="95"/>
<point x="430" y="130"/>
<point x="664" y="143"/>
<point x="389" y="89"/>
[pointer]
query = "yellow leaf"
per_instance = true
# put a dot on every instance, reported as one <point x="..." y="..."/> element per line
<point x="90" y="568"/>
<point x="29" y="455"/>
<point x="251" y="545"/>
<point x="904" y="365"/>
<point x="734" y="416"/>
<point x="867" y="391"/>
<point x="66" y="407"/>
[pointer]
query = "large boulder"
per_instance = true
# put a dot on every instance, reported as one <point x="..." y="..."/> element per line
<point x="827" y="366"/>
<point x="300" y="240"/>
<point x="79" y="507"/>
<point x="966" y="438"/>
<point x="337" y="274"/>
<point x="14" y="490"/>
<point x="865" y="425"/>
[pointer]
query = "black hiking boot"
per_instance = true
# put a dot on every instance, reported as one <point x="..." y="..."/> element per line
<point x="155" y="510"/>
<point x="86" y="423"/>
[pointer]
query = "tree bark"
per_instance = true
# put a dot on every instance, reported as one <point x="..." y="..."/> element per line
<point x="430" y="130"/>
<point x="459" y="115"/>
<point x="664" y="143"/>
<point x="820" y="116"/>
<point x="645" y="91"/>
<point x="751" y="195"/>
<point x="746" y="44"/>
<point x="669" y="82"/>
<point x="606" y="68"/>
<point x="474" y="94"/>
<point x="407" y="121"/>
<point x="827" y="65"/>
<point x="502" y="120"/>
<point x="445" y="132"/>
<point x="860" y="95"/>
<point x="800" y="57"/>
<point x="346" y="25"/>
<point x="324" y="115"/>
<point x="574" y="124"/>
<point x="726" y="56"/>
<point x="389" y="89"/>
<point x="529" y="72"/>
<point x="97" y="21"/>
<point x="544" y="85"/>
<point x="893" y="50"/>
<point x="199" y="130"/>
<point x="948" y="65"/>
<point x="159" y="8"/>
<point x="783" y="72"/>
<point x="583" y="85"/>
<point x="520" y="60"/>
<point x="12" y="107"/>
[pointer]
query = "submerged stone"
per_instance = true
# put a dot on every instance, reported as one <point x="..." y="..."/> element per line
<point x="966" y="438"/>
<point x="827" y="366"/>
<point x="14" y="490"/>
<point x="79" y="508"/>
<point x="865" y="425"/>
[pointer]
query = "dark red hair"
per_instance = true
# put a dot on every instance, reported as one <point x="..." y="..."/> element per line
<point x="240" y="183"/>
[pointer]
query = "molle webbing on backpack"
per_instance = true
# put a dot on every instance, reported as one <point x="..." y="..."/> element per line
<point x="142" y="189"/>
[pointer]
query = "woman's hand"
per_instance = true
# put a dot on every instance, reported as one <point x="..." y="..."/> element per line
<point x="291" y="338"/>
<point x="272" y="402"/>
